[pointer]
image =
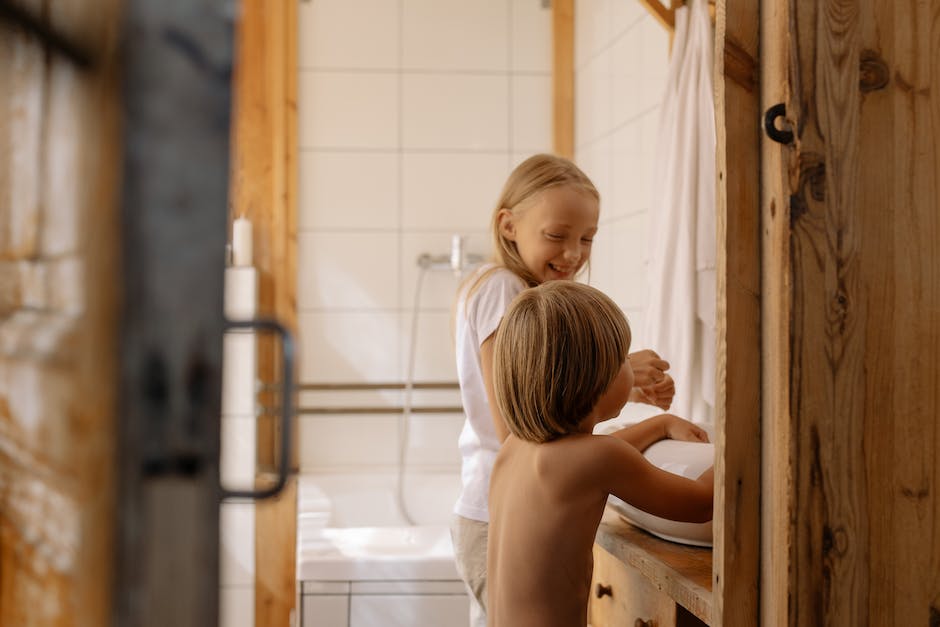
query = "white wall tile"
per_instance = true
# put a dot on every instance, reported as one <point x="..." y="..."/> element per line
<point x="532" y="113"/>
<point x="625" y="84"/>
<point x="348" y="109"/>
<point x="594" y="160"/>
<point x="647" y="137"/>
<point x="455" y="111"/>
<point x="237" y="606"/>
<point x="628" y="258"/>
<point x="435" y="357"/>
<point x="348" y="190"/>
<point x="601" y="271"/>
<point x="591" y="29"/>
<point x="455" y="34"/>
<point x="349" y="346"/>
<point x="348" y="440"/>
<point x="531" y="38"/>
<point x="347" y="270"/>
<point x="348" y="34"/>
<point x="592" y="115"/>
<point x="653" y="54"/>
<point x="627" y="164"/>
<point x="451" y="191"/>
<point x="624" y="14"/>
<point x="237" y="544"/>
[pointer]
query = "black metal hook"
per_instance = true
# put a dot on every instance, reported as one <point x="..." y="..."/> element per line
<point x="27" y="21"/>
<point x="781" y="136"/>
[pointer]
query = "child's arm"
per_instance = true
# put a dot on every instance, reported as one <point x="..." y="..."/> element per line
<point x="664" y="426"/>
<point x="486" y="367"/>
<point x="624" y="472"/>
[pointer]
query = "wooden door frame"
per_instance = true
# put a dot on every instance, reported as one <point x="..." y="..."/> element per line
<point x="737" y="522"/>
<point x="264" y="183"/>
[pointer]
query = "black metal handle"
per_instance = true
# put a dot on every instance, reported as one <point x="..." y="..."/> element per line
<point x="782" y="136"/>
<point x="287" y="396"/>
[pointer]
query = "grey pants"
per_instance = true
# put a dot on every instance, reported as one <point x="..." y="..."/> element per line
<point x="469" y="537"/>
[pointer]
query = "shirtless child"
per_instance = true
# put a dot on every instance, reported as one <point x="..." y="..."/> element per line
<point x="560" y="367"/>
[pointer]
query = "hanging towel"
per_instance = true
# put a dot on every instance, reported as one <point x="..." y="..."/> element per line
<point x="680" y="317"/>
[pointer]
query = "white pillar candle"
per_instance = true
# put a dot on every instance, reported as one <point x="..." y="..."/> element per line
<point x="241" y="242"/>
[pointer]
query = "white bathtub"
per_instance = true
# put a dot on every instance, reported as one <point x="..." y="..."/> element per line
<point x="360" y="565"/>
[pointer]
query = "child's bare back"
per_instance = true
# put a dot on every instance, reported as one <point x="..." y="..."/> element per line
<point x="546" y="503"/>
<point x="546" y="520"/>
<point x="560" y="368"/>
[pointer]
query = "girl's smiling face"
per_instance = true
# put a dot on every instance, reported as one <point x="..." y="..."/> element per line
<point x="553" y="231"/>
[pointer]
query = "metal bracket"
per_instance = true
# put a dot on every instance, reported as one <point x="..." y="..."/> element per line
<point x="781" y="136"/>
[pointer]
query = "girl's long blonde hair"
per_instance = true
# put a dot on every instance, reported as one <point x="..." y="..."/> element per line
<point x="534" y="175"/>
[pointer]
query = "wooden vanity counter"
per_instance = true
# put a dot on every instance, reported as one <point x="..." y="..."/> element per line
<point x="640" y="579"/>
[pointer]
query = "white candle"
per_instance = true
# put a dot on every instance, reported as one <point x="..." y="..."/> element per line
<point x="241" y="242"/>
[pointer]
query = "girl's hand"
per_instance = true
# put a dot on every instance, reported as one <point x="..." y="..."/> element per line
<point x="648" y="368"/>
<point x="681" y="429"/>
<point x="651" y="384"/>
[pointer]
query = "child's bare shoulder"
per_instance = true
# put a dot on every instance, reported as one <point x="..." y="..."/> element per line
<point x="589" y="452"/>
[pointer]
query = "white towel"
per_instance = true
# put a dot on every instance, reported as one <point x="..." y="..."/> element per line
<point x="680" y="318"/>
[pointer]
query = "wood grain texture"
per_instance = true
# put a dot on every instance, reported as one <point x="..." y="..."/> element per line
<point x="59" y="163"/>
<point x="264" y="190"/>
<point x="777" y="492"/>
<point x="621" y="595"/>
<point x="865" y="315"/>
<point x="737" y="451"/>
<point x="563" y="78"/>
<point x="682" y="573"/>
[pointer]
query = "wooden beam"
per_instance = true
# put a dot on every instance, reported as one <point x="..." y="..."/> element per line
<point x="665" y="16"/>
<point x="563" y="77"/>
<point x="738" y="463"/>
<point x="264" y="190"/>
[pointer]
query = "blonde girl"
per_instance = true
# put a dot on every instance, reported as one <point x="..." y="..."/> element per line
<point x="543" y="227"/>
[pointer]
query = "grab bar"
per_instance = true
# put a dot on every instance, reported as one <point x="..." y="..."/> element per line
<point x="388" y="409"/>
<point x="349" y="387"/>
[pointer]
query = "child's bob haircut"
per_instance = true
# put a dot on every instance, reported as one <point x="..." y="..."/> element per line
<point x="557" y="349"/>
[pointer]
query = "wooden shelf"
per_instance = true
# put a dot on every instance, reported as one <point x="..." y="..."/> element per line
<point x="682" y="572"/>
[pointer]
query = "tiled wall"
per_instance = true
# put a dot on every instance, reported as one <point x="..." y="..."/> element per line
<point x="411" y="115"/>
<point x="621" y="60"/>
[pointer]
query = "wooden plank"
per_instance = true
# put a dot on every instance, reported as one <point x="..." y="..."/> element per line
<point x="57" y="410"/>
<point x="264" y="190"/>
<point x="682" y="572"/>
<point x="865" y="320"/>
<point x="737" y="447"/>
<point x="776" y="480"/>
<point x="563" y="103"/>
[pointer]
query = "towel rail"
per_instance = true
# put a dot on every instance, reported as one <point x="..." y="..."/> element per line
<point x="320" y="410"/>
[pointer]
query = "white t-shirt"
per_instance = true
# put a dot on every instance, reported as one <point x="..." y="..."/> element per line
<point x="477" y="319"/>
